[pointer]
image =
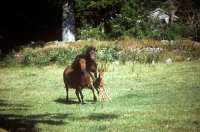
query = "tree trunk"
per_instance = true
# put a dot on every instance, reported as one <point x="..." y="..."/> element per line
<point x="68" y="21"/>
<point x="171" y="6"/>
<point x="172" y="15"/>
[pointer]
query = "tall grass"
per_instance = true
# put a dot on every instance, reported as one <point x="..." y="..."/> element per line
<point x="159" y="97"/>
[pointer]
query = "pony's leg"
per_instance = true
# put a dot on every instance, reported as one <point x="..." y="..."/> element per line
<point x="106" y="94"/>
<point x="108" y="97"/>
<point x="94" y="96"/>
<point x="97" y="91"/>
<point x="80" y="91"/>
<point x="102" y="93"/>
<point x="77" y="95"/>
<point x="67" y="90"/>
<point x="95" y="74"/>
<point x="93" y="79"/>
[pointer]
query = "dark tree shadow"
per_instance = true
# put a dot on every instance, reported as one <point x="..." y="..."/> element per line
<point x="13" y="122"/>
<point x="99" y="117"/>
<point x="14" y="106"/>
<point x="21" y="123"/>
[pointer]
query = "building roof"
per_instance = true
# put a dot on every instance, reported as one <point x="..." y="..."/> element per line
<point x="162" y="15"/>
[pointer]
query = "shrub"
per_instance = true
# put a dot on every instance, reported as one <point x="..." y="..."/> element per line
<point x="29" y="58"/>
<point x="91" y="32"/>
<point x="172" y="31"/>
<point x="8" y="61"/>
<point x="152" y="57"/>
<point x="121" y="51"/>
<point x="107" y="54"/>
<point x="60" y="56"/>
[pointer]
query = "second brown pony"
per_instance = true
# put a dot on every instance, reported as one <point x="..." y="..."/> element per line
<point x="90" y="61"/>
<point x="77" y="77"/>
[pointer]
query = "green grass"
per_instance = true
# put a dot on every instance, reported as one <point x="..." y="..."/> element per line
<point x="159" y="97"/>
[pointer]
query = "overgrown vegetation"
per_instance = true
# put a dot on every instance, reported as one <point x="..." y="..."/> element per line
<point x="41" y="57"/>
<point x="126" y="51"/>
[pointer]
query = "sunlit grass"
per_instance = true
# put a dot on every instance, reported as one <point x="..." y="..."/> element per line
<point x="159" y="97"/>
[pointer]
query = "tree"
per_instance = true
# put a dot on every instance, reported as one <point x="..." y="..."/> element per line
<point x="68" y="24"/>
<point x="96" y="13"/>
<point x="171" y="6"/>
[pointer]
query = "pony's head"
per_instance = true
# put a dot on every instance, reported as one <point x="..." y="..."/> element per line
<point x="90" y="53"/>
<point x="101" y="72"/>
<point x="79" y="62"/>
<point x="82" y="63"/>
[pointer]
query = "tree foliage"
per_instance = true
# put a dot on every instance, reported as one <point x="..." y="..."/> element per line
<point x="129" y="17"/>
<point x="26" y="20"/>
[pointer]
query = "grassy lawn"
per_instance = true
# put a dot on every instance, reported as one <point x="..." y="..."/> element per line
<point x="159" y="97"/>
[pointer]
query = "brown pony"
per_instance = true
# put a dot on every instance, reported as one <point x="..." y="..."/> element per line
<point x="91" y="65"/>
<point x="99" y="84"/>
<point x="76" y="77"/>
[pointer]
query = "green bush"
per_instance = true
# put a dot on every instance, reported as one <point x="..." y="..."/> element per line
<point x="152" y="57"/>
<point x="195" y="55"/>
<point x="172" y="31"/>
<point x="107" y="54"/>
<point x="178" y="51"/>
<point x="60" y="56"/>
<point x="8" y="61"/>
<point x="110" y="55"/>
<point x="89" y="32"/>
<point x="29" y="58"/>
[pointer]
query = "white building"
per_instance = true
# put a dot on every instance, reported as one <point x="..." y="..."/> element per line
<point x="162" y="15"/>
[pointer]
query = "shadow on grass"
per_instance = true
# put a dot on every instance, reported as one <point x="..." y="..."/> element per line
<point x="16" y="122"/>
<point x="5" y="106"/>
<point x="13" y="122"/>
<point x="63" y="101"/>
<point x="99" y="117"/>
<point x="91" y="101"/>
